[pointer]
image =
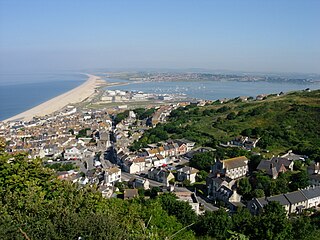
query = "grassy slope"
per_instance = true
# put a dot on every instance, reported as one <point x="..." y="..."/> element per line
<point x="284" y="122"/>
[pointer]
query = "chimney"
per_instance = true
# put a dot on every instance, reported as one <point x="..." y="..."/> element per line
<point x="218" y="175"/>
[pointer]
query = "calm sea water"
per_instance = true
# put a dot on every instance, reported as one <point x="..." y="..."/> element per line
<point x="212" y="90"/>
<point x="20" y="92"/>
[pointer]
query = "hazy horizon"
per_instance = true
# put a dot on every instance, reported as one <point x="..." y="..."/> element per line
<point x="236" y="36"/>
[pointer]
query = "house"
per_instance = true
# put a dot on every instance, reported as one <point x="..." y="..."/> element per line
<point x="191" y="153"/>
<point x="190" y="145"/>
<point x="314" y="174"/>
<point x="256" y="205"/>
<point x="160" y="174"/>
<point x="233" y="168"/>
<point x="293" y="157"/>
<point x="214" y="183"/>
<point x="298" y="201"/>
<point x="64" y="175"/>
<point x="314" y="168"/>
<point x="275" y="165"/>
<point x="239" y="141"/>
<point x="106" y="191"/>
<point x="72" y="153"/>
<point x="314" y="179"/>
<point x="159" y="160"/>
<point x="313" y="196"/>
<point x="135" y="165"/>
<point x="139" y="182"/>
<point x="245" y="142"/>
<point x="251" y="143"/>
<point x="112" y="175"/>
<point x="293" y="202"/>
<point x="161" y="151"/>
<point x="187" y="173"/>
<point x="88" y="159"/>
<point x="104" y="140"/>
<point x="223" y="189"/>
<point x="190" y="198"/>
<point x="49" y="151"/>
<point x="130" y="193"/>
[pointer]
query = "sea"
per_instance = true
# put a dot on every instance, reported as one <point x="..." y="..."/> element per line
<point x="20" y="92"/>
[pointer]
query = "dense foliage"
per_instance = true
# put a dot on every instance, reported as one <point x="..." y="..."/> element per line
<point x="35" y="205"/>
<point x="143" y="113"/>
<point x="61" y="166"/>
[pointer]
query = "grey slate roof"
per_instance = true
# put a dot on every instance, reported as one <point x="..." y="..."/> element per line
<point x="279" y="198"/>
<point x="262" y="201"/>
<point x="311" y="192"/>
<point x="295" y="197"/>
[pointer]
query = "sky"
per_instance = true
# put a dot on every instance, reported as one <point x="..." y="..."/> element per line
<point x="255" y="36"/>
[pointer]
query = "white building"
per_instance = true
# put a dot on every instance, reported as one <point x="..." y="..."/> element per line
<point x="112" y="175"/>
<point x="313" y="196"/>
<point x="233" y="167"/>
<point x="72" y="154"/>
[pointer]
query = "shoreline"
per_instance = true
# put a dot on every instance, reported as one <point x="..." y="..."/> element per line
<point x="76" y="95"/>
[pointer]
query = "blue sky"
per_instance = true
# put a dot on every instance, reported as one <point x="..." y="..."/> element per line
<point x="268" y="36"/>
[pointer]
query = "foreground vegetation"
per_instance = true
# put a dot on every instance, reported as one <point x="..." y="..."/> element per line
<point x="35" y="205"/>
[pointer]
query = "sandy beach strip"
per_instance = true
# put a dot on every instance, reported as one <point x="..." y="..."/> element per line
<point x="75" y="95"/>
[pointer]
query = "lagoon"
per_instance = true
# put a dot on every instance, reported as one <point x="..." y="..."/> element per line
<point x="211" y="90"/>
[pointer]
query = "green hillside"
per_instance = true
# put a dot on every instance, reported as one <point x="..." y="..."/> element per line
<point x="289" y="121"/>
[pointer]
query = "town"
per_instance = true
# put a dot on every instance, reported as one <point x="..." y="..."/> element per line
<point x="94" y="148"/>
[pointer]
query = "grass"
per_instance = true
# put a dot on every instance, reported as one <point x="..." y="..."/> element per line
<point x="283" y="122"/>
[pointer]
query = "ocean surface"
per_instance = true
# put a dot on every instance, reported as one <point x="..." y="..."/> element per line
<point x="213" y="90"/>
<point x="20" y="92"/>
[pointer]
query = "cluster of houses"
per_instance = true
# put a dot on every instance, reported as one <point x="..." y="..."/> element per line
<point x="153" y="156"/>
<point x="53" y="135"/>
<point x="222" y="183"/>
<point x="242" y="142"/>
<point x="293" y="202"/>
<point x="102" y="174"/>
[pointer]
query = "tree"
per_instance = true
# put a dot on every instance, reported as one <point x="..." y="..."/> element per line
<point x="186" y="183"/>
<point x="258" y="193"/>
<point x="214" y="224"/>
<point x="180" y="209"/>
<point x="154" y="192"/>
<point x="254" y="162"/>
<point x="36" y="205"/>
<point x="272" y="223"/>
<point x="201" y="176"/>
<point x="299" y="180"/>
<point x="237" y="236"/>
<point x="244" y="186"/>
<point x="231" y="116"/>
<point x="242" y="221"/>
<point x="303" y="228"/>
<point x="202" y="161"/>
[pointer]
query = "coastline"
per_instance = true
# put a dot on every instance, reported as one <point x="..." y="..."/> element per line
<point x="73" y="96"/>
